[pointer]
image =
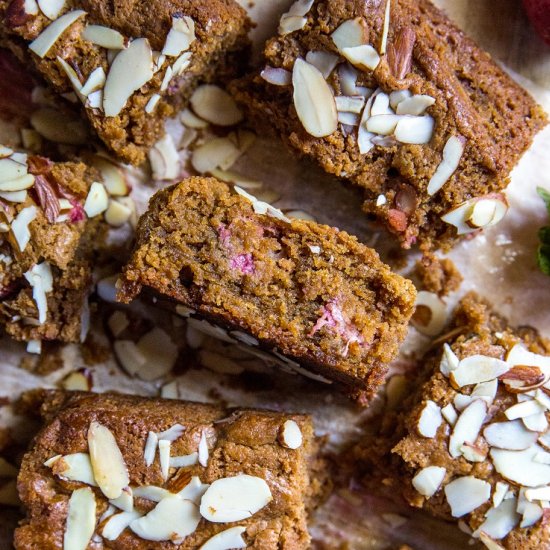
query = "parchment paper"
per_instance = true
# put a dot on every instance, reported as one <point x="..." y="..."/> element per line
<point x="499" y="264"/>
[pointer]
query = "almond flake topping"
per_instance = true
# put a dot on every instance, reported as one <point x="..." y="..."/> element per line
<point x="108" y="464"/>
<point x="294" y="19"/>
<point x="467" y="427"/>
<point x="164" y="159"/>
<point x="51" y="8"/>
<point x="521" y="467"/>
<point x="117" y="523"/>
<point x="20" y="226"/>
<point x="386" y="28"/>
<point x="324" y="61"/>
<point x="172" y="519"/>
<point x="74" y="467"/>
<point x="500" y="520"/>
<point x="465" y="494"/>
<point x="81" y="520"/>
<point x="226" y="540"/>
<point x="125" y="501"/>
<point x="203" y="450"/>
<point x="164" y="457"/>
<point x="468" y="218"/>
<point x="184" y="460"/>
<point x="313" y="100"/>
<point x="477" y="368"/>
<point x="41" y="280"/>
<point x="131" y="69"/>
<point x="428" y="480"/>
<point x="43" y="43"/>
<point x="95" y="81"/>
<point x="234" y="498"/>
<point x="97" y="200"/>
<point x="291" y="435"/>
<point x="452" y="153"/>
<point x="215" y="105"/>
<point x="180" y="37"/>
<point x="509" y="435"/>
<point x="350" y="34"/>
<point x="431" y="312"/>
<point x="430" y="420"/>
<point x="104" y="37"/>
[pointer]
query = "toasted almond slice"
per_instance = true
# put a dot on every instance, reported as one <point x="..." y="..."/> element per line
<point x="11" y="170"/>
<point x="226" y="540"/>
<point x="219" y="363"/>
<point x="533" y="513"/>
<point x="300" y="7"/>
<point x="472" y="453"/>
<point x="167" y="78"/>
<point x="415" y="130"/>
<point x="59" y="129"/>
<point x="350" y="104"/>
<point x="160" y="354"/>
<point x="203" y="450"/>
<point x="41" y="280"/>
<point x="219" y="152"/>
<point x="398" y="96"/>
<point x="215" y="105"/>
<point x="276" y="76"/>
<point x="477" y="368"/>
<point x="51" y="8"/>
<point x="520" y="466"/>
<point x="164" y="159"/>
<point x="465" y="494"/>
<point x="172" y="433"/>
<point x="164" y="457"/>
<point x="539" y="493"/>
<point x="20" y="226"/>
<point x="30" y="7"/>
<point x="18" y="184"/>
<point x="150" y="448"/>
<point x="191" y="120"/>
<point x="194" y="490"/>
<point x="536" y="422"/>
<point x="125" y="501"/>
<point x="486" y="211"/>
<point x="449" y="360"/>
<point x="184" y="460"/>
<point x="523" y="378"/>
<point x="181" y="63"/>
<point x="97" y="200"/>
<point x="95" y="100"/>
<point x="449" y="414"/>
<point x="501" y="489"/>
<point x="509" y="435"/>
<point x="50" y="35"/>
<point x="313" y="100"/>
<point x="430" y="419"/>
<point x="234" y="498"/>
<point x="104" y="37"/>
<point x="291" y="435"/>
<point x="151" y="492"/>
<point x="172" y="519"/>
<point x="117" y="523"/>
<point x="348" y="119"/>
<point x="524" y="409"/>
<point x="499" y="520"/>
<point x="415" y="105"/>
<point x="74" y="467"/>
<point x="5" y="151"/>
<point x="382" y="124"/>
<point x="467" y="427"/>
<point x="110" y="471"/>
<point x="386" y="28"/>
<point x="130" y="70"/>
<point x="431" y="313"/>
<point x="291" y="23"/>
<point x="452" y="153"/>
<point x="489" y="543"/>
<point x="237" y="179"/>
<point x="117" y="214"/>
<point x="95" y="81"/>
<point x="365" y="57"/>
<point x="520" y="355"/>
<point x="428" y="480"/>
<point x="180" y="37"/>
<point x="350" y="34"/>
<point x="81" y="520"/>
<point x="381" y="104"/>
<point x="325" y="62"/>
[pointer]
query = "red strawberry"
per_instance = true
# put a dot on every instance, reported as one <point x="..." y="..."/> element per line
<point x="539" y="14"/>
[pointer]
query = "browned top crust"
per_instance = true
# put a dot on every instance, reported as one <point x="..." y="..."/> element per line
<point x="240" y="441"/>
<point x="309" y="291"/>
<point x="474" y="98"/>
<point x="220" y="27"/>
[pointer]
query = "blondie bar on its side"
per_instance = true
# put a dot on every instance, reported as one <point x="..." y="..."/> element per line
<point x="130" y="63"/>
<point x="49" y="222"/>
<point x="394" y="98"/>
<point x="321" y="301"/>
<point x="142" y="473"/>
<point x="471" y="444"/>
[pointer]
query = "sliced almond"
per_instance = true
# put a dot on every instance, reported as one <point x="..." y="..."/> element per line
<point x="104" y="37"/>
<point x="184" y="460"/>
<point x="180" y="36"/>
<point x="110" y="471"/>
<point x="16" y="185"/>
<point x="523" y="378"/>
<point x="350" y="104"/>
<point x="30" y="7"/>
<point x="95" y="81"/>
<point x="226" y="540"/>
<point x="536" y="422"/>
<point x="449" y="360"/>
<point x="276" y="76"/>
<point x="291" y="435"/>
<point x="164" y="457"/>
<point x="97" y="200"/>
<point x="181" y="63"/>
<point x="191" y="120"/>
<point x="324" y="61"/>
<point x="415" y="130"/>
<point x="430" y="419"/>
<point x="487" y="212"/>
<point x="203" y="450"/>
<point x="194" y="490"/>
<point x="293" y="19"/>
<point x="150" y="448"/>
<point x="74" y="467"/>
<point x="117" y="523"/>
<point x="520" y="355"/>
<point x="41" y="280"/>
<point x="219" y="152"/>
<point x="465" y="494"/>
<point x="524" y="409"/>
<point x="81" y="520"/>
<point x="313" y="100"/>
<point x="382" y="124"/>
<point x="385" y="28"/>
<point x="477" y="368"/>
<point x="117" y="214"/>
<point x="234" y="498"/>
<point x="11" y="170"/>
<point x="151" y="492"/>
<point x="364" y="57"/>
<point x="172" y="433"/>
<point x="172" y="519"/>
<point x="500" y="520"/>
<point x="130" y="70"/>
<point x="219" y="363"/>
<point x="472" y="453"/>
<point x="509" y="435"/>
<point x="215" y="105"/>
<point x="467" y="427"/>
<point x="452" y="153"/>
<point x="428" y="480"/>
<point x="125" y="501"/>
<point x="531" y="515"/>
<point x="60" y="129"/>
<point x="431" y="313"/>
<point x="489" y="543"/>
<point x="415" y="105"/>
<point x="520" y="466"/>
<point x="449" y="414"/>
<point x="539" y="493"/>
<point x="51" y="8"/>
<point x="160" y="354"/>
<point x="350" y="34"/>
<point x="398" y="96"/>
<point x="50" y="35"/>
<point x="501" y="489"/>
<point x="164" y="159"/>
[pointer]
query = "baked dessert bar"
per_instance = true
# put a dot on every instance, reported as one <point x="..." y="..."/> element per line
<point x="394" y="98"/>
<point x="308" y="292"/>
<point x="48" y="224"/>
<point x="471" y="444"/>
<point x="132" y="472"/>
<point x="130" y="63"/>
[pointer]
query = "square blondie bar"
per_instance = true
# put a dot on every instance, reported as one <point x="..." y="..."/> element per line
<point x="395" y="99"/>
<point x="133" y="472"/>
<point x="324" y="303"/>
<point x="131" y="64"/>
